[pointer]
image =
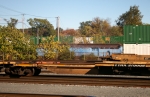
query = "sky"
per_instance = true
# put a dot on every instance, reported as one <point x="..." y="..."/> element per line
<point x="70" y="12"/>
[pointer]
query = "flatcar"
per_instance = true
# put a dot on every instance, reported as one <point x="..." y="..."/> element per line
<point x="115" y="64"/>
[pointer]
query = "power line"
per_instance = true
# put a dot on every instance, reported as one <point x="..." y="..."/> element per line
<point x="9" y="15"/>
<point x="22" y="12"/>
<point x="4" y="12"/>
<point x="25" y="24"/>
<point x="9" y="9"/>
<point x="39" y="16"/>
<point x="29" y="15"/>
<point x="2" y="17"/>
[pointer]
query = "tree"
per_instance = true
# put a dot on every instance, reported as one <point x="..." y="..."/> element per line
<point x="66" y="55"/>
<point x="131" y="17"/>
<point x="16" y="45"/>
<point x="85" y="28"/>
<point x="60" y="29"/>
<point x="52" y="48"/>
<point x="69" y="32"/>
<point x="114" y="31"/>
<point x="43" y="26"/>
<point x="96" y="26"/>
<point x="12" y="23"/>
<point x="101" y="26"/>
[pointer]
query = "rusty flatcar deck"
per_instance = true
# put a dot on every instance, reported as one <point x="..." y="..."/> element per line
<point x="81" y="64"/>
<point x="124" y="64"/>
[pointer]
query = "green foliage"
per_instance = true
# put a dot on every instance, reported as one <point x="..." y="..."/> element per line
<point x="85" y="28"/>
<point x="98" y="38"/>
<point x="52" y="48"/>
<point x="66" y="55"/>
<point x="115" y="31"/>
<point x="131" y="17"/>
<point x="16" y="44"/>
<point x="12" y="23"/>
<point x="96" y="26"/>
<point x="43" y="26"/>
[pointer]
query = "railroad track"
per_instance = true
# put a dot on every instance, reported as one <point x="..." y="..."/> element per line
<point x="34" y="95"/>
<point x="80" y="80"/>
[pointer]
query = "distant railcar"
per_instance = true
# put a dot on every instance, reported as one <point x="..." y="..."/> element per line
<point x="99" y="50"/>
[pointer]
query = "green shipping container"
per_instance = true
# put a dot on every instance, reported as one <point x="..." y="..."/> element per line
<point x="136" y="34"/>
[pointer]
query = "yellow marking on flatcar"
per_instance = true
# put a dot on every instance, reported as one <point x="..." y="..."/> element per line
<point x="51" y="65"/>
<point x="79" y="65"/>
<point x="70" y="66"/>
<point x="3" y="62"/>
<point x="104" y="64"/>
<point x="12" y="62"/>
<point x="24" y="64"/>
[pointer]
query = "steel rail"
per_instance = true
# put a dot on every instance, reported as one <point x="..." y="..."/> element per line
<point x="76" y="80"/>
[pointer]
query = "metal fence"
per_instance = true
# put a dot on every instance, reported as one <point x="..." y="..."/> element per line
<point x="72" y="39"/>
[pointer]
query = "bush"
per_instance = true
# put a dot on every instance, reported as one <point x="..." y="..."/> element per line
<point x="66" y="55"/>
<point x="90" y="56"/>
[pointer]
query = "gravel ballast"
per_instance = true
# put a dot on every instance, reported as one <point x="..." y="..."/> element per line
<point x="95" y="91"/>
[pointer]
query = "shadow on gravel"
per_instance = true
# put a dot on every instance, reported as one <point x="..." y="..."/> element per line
<point x="36" y="95"/>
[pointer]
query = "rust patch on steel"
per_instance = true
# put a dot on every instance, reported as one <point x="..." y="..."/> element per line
<point x="73" y="70"/>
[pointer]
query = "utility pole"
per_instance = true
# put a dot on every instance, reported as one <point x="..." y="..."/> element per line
<point x="57" y="27"/>
<point x="23" y="23"/>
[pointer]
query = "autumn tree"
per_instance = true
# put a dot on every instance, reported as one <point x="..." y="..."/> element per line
<point x="96" y="26"/>
<point x="69" y="32"/>
<point x="16" y="45"/>
<point x="85" y="28"/>
<point x="52" y="48"/>
<point x="115" y="31"/>
<point x="66" y="55"/>
<point x="42" y="26"/>
<point x="101" y="26"/>
<point x="131" y="17"/>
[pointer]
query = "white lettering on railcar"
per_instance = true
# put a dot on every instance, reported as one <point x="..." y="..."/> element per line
<point x="129" y="65"/>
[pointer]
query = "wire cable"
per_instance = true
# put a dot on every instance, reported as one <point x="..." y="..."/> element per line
<point x="22" y="12"/>
<point x="9" y="15"/>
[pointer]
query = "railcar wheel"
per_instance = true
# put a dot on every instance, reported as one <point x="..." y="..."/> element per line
<point x="29" y="72"/>
<point x="7" y="71"/>
<point x="37" y="71"/>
